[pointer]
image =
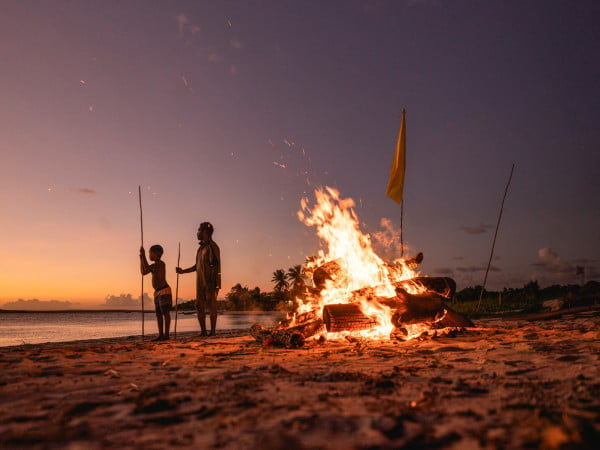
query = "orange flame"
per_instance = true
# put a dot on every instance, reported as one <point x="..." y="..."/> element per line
<point x="357" y="266"/>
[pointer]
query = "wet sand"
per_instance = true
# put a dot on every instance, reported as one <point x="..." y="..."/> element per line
<point x="504" y="384"/>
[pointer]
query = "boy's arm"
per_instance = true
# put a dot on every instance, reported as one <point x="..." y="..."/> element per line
<point x="144" y="266"/>
<point x="188" y="270"/>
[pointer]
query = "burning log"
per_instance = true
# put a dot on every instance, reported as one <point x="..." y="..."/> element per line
<point x="346" y="317"/>
<point x="453" y="319"/>
<point x="332" y="270"/>
<point x="410" y="309"/>
<point x="406" y="309"/>
<point x="444" y="286"/>
<point x="301" y="318"/>
<point x="424" y="308"/>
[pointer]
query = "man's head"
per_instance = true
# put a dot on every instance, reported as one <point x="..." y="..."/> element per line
<point x="205" y="231"/>
<point x="156" y="252"/>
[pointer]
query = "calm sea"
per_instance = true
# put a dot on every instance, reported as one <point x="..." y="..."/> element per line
<point x="36" y="327"/>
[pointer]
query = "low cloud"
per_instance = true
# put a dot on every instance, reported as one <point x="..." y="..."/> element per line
<point x="473" y="269"/>
<point x="477" y="229"/>
<point x="126" y="301"/>
<point x="549" y="261"/>
<point x="551" y="268"/>
<point x="84" y="191"/>
<point x="444" y="271"/>
<point x="39" y="305"/>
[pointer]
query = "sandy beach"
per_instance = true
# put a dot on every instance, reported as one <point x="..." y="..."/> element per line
<point x="504" y="384"/>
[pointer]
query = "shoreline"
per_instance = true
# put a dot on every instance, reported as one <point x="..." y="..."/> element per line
<point x="122" y="340"/>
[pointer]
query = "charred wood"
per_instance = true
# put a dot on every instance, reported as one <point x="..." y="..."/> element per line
<point x="292" y="337"/>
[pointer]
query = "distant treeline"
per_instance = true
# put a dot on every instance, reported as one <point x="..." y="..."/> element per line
<point x="241" y="298"/>
<point x="530" y="292"/>
<point x="530" y="298"/>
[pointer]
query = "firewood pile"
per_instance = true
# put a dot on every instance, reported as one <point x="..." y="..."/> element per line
<point x="429" y="308"/>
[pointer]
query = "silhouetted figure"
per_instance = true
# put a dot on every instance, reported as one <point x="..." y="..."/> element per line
<point x="208" y="277"/>
<point x="163" y="300"/>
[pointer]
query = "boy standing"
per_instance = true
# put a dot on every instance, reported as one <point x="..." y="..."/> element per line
<point x="208" y="277"/>
<point x="163" y="301"/>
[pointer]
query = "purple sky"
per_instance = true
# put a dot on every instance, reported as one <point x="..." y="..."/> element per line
<point x="203" y="102"/>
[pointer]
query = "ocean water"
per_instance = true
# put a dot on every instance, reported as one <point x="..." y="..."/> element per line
<point x="37" y="327"/>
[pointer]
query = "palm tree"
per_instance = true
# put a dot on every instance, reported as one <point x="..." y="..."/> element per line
<point x="295" y="276"/>
<point x="279" y="278"/>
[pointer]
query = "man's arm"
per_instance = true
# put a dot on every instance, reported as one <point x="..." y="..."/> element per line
<point x="218" y="267"/>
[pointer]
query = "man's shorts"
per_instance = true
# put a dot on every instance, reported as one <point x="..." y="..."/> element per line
<point x="163" y="301"/>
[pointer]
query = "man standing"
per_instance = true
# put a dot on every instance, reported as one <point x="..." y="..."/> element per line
<point x="208" y="277"/>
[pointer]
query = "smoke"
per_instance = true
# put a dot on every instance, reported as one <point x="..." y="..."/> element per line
<point x="386" y="242"/>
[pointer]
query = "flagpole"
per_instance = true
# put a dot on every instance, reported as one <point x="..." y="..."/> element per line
<point x="177" y="285"/>
<point x="396" y="182"/>
<point x="495" y="235"/>
<point x="402" y="229"/>
<point x="402" y="203"/>
<point x="142" y="235"/>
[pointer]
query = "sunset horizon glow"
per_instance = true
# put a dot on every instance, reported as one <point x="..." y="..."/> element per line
<point x="232" y="112"/>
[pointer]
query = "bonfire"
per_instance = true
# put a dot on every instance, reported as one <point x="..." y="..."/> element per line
<point x="355" y="294"/>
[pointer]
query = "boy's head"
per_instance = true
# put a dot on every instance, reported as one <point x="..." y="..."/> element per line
<point x="156" y="252"/>
<point x="205" y="231"/>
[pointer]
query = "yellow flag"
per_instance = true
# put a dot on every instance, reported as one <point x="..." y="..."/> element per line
<point x="396" y="183"/>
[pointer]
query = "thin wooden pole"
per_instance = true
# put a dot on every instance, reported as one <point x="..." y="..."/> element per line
<point x="177" y="286"/>
<point x="495" y="235"/>
<point x="142" y="235"/>
<point x="402" y="229"/>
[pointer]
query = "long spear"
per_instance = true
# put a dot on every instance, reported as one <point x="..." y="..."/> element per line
<point x="142" y="233"/>
<point x="495" y="235"/>
<point x="177" y="285"/>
